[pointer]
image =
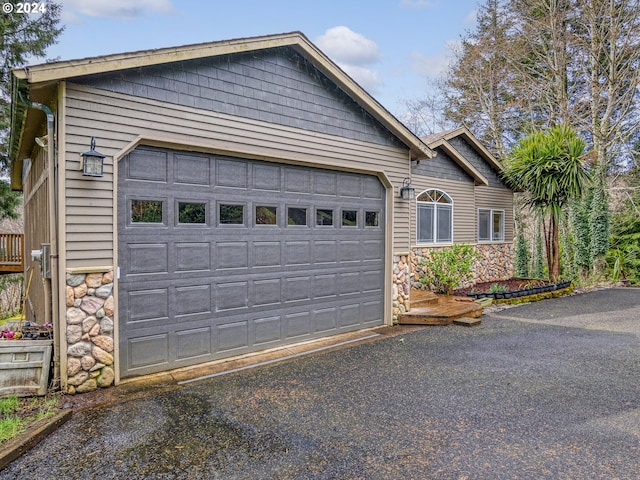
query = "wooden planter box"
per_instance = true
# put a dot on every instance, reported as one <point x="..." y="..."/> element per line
<point x="24" y="367"/>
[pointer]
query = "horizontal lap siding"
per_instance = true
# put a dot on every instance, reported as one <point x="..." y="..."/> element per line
<point x="462" y="193"/>
<point x="116" y="120"/>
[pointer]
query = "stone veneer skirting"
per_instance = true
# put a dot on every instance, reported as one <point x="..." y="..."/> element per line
<point x="401" y="284"/>
<point x="495" y="263"/>
<point x="89" y="331"/>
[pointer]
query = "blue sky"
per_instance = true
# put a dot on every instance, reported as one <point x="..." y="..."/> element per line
<point x="391" y="47"/>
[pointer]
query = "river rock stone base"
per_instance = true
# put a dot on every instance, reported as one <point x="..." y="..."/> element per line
<point x="494" y="263"/>
<point x="89" y="333"/>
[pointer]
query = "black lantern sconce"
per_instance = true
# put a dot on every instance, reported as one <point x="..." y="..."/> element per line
<point x="92" y="161"/>
<point x="407" y="192"/>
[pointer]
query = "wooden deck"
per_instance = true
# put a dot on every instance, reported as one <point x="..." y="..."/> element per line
<point x="11" y="253"/>
<point x="430" y="309"/>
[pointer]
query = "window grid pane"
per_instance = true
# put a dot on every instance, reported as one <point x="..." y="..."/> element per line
<point x="498" y="226"/>
<point x="425" y="223"/>
<point x="483" y="225"/>
<point x="444" y="223"/>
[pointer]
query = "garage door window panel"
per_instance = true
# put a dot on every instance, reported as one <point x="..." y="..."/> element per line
<point x="349" y="218"/>
<point x="371" y="219"/>
<point x="297" y="216"/>
<point x="324" y="217"/>
<point x="231" y="214"/>
<point x="192" y="213"/>
<point x="266" y="215"/>
<point x="147" y="211"/>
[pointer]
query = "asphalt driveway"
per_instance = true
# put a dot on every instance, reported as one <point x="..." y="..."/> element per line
<point x="542" y="391"/>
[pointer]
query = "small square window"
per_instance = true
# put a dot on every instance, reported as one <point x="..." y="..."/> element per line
<point x="490" y="225"/>
<point x="146" y="211"/>
<point x="266" y="215"/>
<point x="371" y="219"/>
<point x="231" y="214"/>
<point x="324" y="217"/>
<point x="192" y="212"/>
<point x="349" y="218"/>
<point x="296" y="216"/>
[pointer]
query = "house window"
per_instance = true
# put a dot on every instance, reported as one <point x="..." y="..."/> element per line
<point x="490" y="225"/>
<point x="435" y="217"/>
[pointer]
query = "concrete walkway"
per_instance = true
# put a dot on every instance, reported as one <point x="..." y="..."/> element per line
<point x="541" y="391"/>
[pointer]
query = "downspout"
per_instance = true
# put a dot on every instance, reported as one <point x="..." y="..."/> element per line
<point x="53" y="230"/>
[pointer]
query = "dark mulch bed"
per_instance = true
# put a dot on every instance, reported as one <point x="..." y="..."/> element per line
<point x="511" y="284"/>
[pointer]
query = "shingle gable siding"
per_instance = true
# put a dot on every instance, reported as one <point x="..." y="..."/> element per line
<point x="277" y="86"/>
<point x="482" y="166"/>
<point x="442" y="166"/>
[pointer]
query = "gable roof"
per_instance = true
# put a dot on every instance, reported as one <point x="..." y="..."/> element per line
<point x="441" y="140"/>
<point x="50" y="73"/>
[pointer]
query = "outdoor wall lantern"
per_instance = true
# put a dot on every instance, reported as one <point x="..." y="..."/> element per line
<point x="407" y="192"/>
<point x="92" y="161"/>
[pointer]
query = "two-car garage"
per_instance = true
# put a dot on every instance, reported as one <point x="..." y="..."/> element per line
<point x="220" y="256"/>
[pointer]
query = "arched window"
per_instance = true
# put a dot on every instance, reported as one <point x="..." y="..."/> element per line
<point x="435" y="217"/>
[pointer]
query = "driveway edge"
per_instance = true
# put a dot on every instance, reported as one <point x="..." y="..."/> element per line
<point x="17" y="446"/>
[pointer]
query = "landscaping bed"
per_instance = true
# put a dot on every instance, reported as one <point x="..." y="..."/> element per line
<point x="514" y="288"/>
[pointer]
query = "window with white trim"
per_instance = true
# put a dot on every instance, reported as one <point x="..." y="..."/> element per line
<point x="490" y="225"/>
<point x="434" y="217"/>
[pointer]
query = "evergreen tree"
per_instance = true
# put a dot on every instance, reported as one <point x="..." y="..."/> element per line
<point x="22" y="37"/>
<point x="521" y="264"/>
<point x="580" y="213"/>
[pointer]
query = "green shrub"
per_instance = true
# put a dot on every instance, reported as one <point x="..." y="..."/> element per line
<point x="448" y="268"/>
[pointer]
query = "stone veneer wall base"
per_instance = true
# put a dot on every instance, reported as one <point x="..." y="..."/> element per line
<point x="89" y="331"/>
<point x="495" y="263"/>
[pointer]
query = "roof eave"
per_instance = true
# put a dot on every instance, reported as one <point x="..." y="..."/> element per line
<point x="56" y="71"/>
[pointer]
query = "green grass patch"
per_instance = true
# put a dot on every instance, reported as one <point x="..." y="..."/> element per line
<point x="19" y="414"/>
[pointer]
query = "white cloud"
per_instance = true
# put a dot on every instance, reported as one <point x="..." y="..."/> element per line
<point x="344" y="45"/>
<point x="366" y="78"/>
<point x="354" y="53"/>
<point x="72" y="10"/>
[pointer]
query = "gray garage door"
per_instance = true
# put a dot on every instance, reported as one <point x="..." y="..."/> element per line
<point x="221" y="256"/>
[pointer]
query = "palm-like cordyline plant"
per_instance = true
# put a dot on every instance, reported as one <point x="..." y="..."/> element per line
<point x="548" y="168"/>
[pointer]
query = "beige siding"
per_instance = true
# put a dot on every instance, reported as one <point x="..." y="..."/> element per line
<point x="117" y="120"/>
<point x="36" y="229"/>
<point x="498" y="199"/>
<point x="464" y="221"/>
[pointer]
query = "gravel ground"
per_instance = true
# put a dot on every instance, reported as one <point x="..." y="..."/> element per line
<point x="541" y="391"/>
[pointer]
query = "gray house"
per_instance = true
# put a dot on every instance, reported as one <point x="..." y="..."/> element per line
<point x="208" y="201"/>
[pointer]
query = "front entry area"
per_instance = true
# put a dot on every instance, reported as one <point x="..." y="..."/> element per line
<point x="221" y="256"/>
